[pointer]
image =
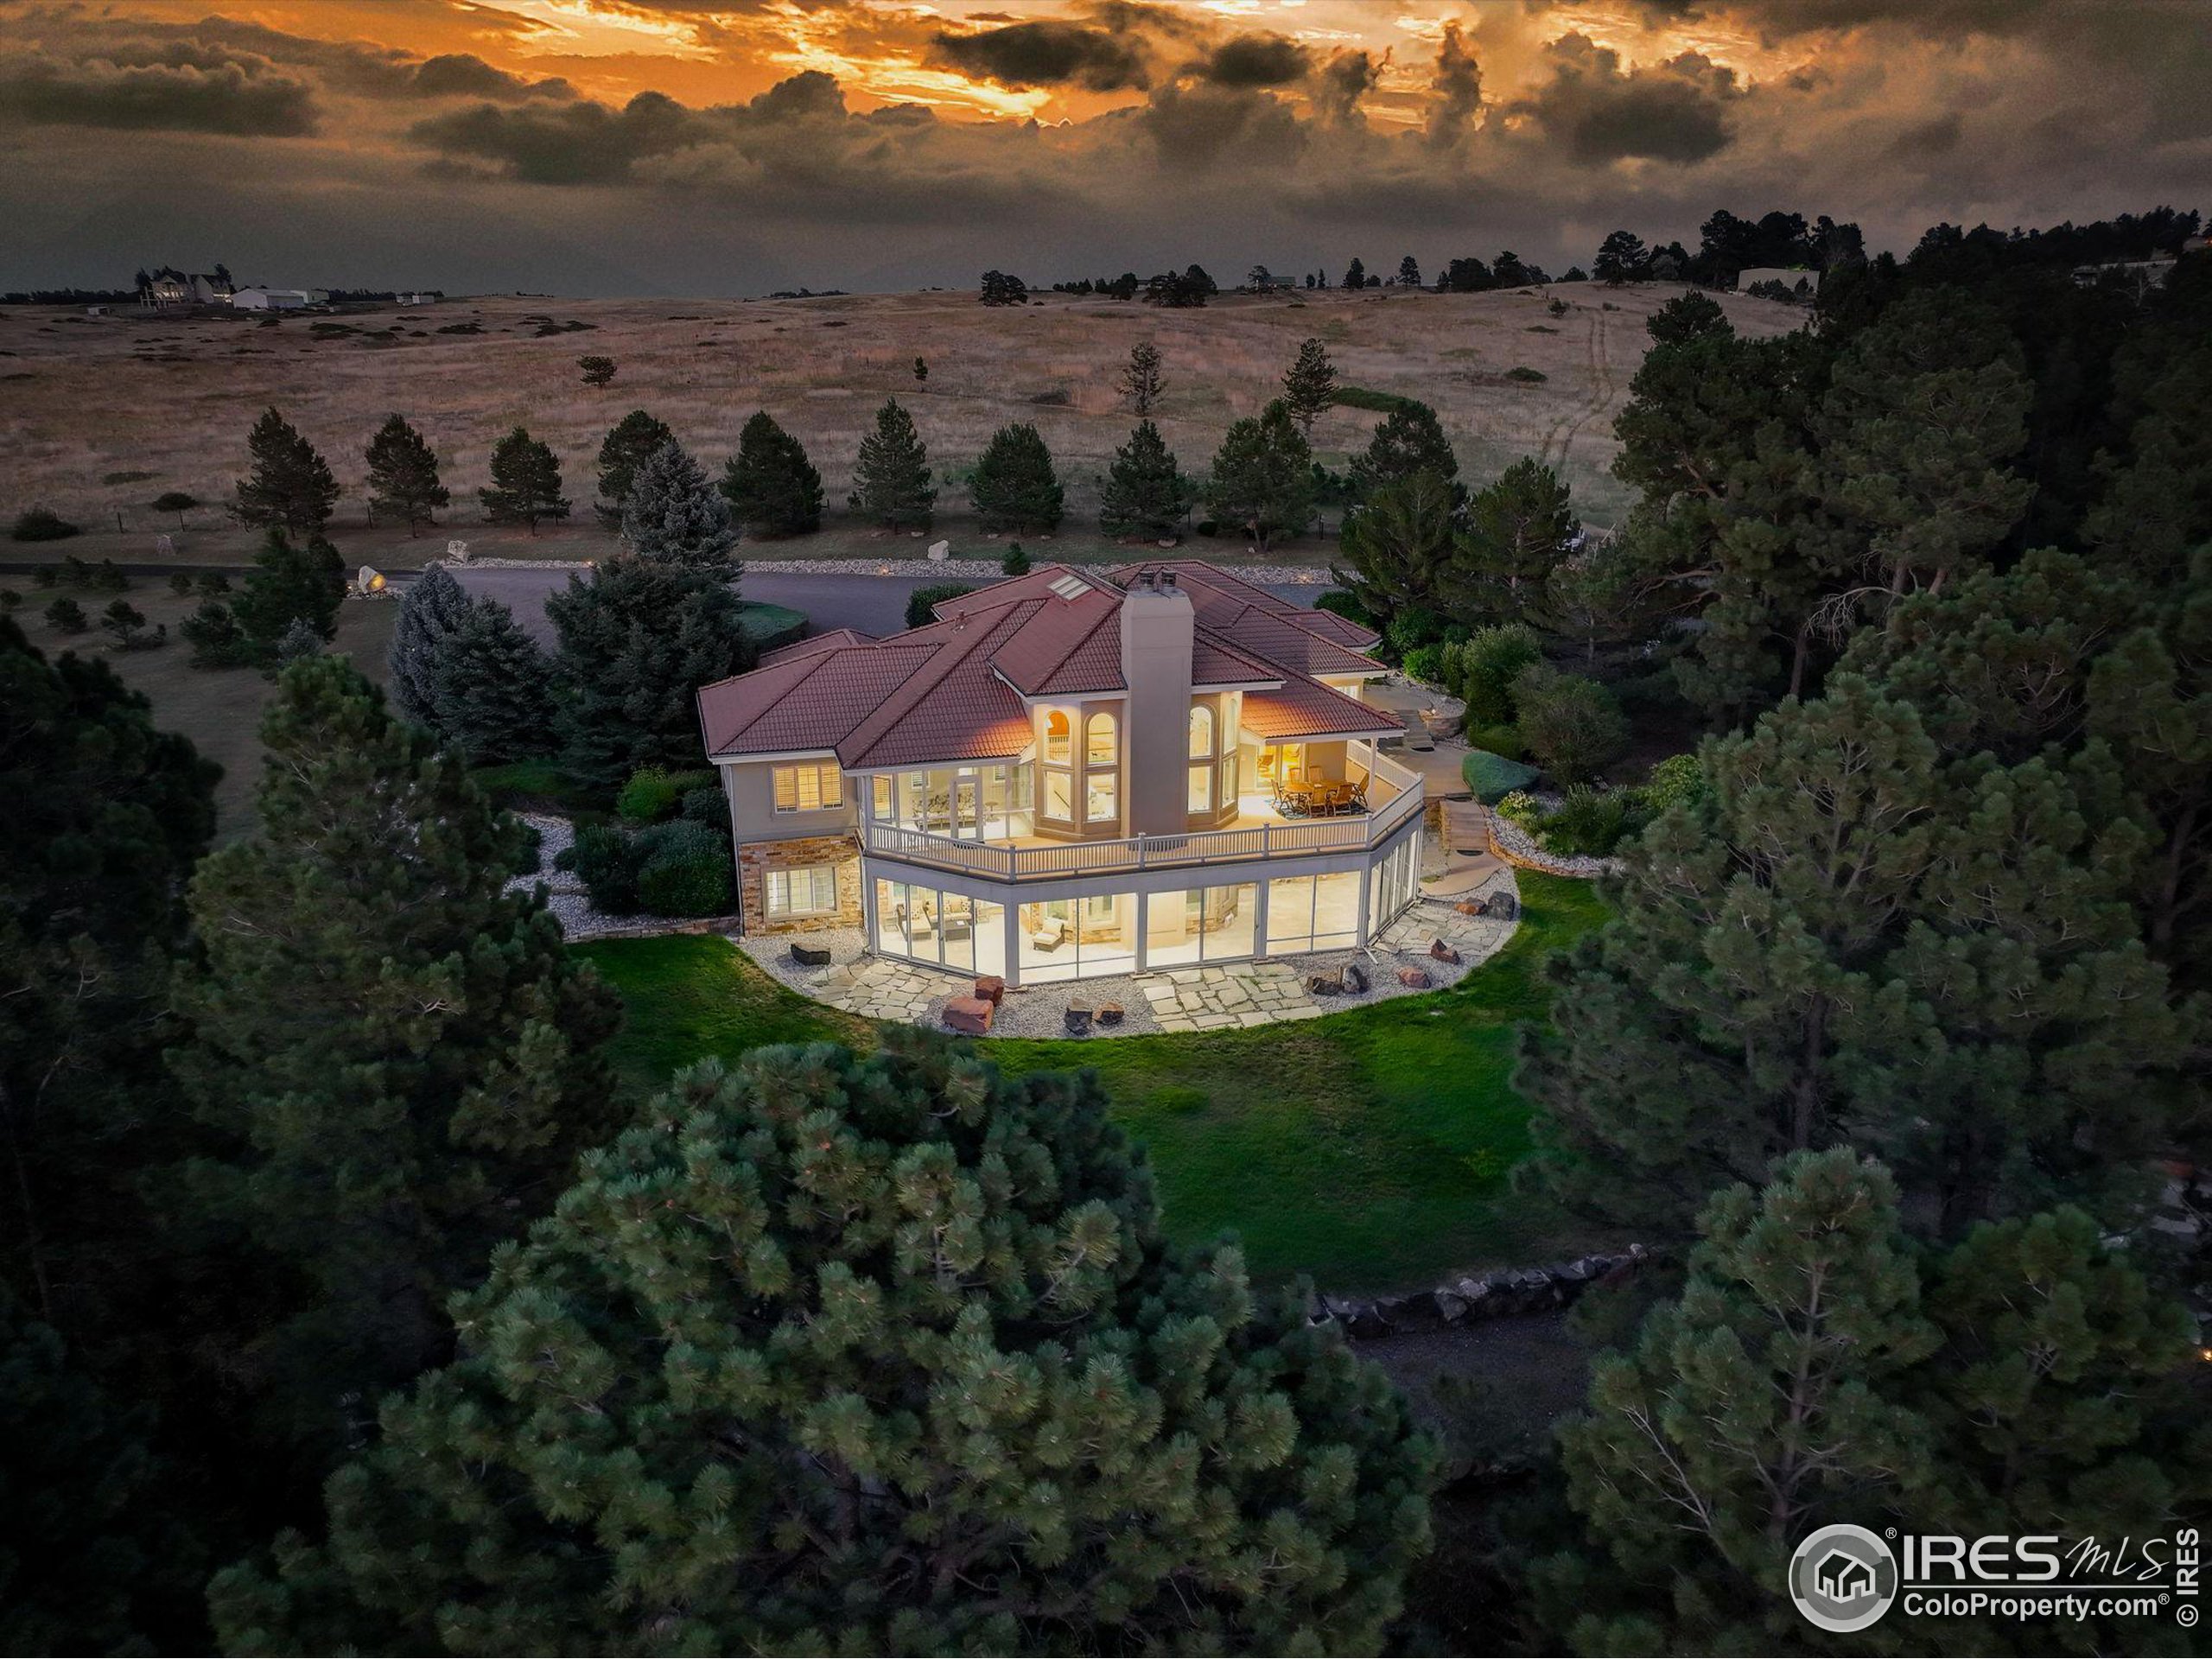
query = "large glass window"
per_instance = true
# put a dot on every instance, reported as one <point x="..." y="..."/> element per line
<point x="1100" y="806"/>
<point x="1101" y="748"/>
<point x="808" y="786"/>
<point x="1201" y="731"/>
<point x="1391" y="888"/>
<point x="1077" y="939"/>
<point x="1200" y="924"/>
<point x="1059" y="796"/>
<point x="1310" y="912"/>
<point x="1057" y="737"/>
<point x="808" y="890"/>
<point x="1201" y="788"/>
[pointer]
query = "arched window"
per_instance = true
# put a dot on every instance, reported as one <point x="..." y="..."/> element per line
<point x="1101" y="749"/>
<point x="1201" y="731"/>
<point x="1057" y="732"/>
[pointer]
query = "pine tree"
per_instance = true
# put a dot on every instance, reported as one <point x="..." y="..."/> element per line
<point x="1263" y="477"/>
<point x="1621" y="258"/>
<point x="403" y="476"/>
<point x="673" y="515"/>
<point x="1309" y="385"/>
<point x="1691" y="315"/>
<point x="289" y="584"/>
<point x="892" y="480"/>
<point x="1408" y="439"/>
<point x="1355" y="275"/>
<point x="395" y="1059"/>
<point x="1409" y="272"/>
<point x="436" y="604"/>
<point x="633" y="437"/>
<point x="291" y="487"/>
<point x="81" y="1543"/>
<point x="1144" y="494"/>
<point x="1013" y="487"/>
<point x="1852" y="937"/>
<point x="843" y="1354"/>
<point x="1805" y="1377"/>
<point x="1140" y="381"/>
<point x="1761" y="1405"/>
<point x="105" y="817"/>
<point x="1395" y="550"/>
<point x="637" y="640"/>
<point x="525" y="482"/>
<point x="773" y="489"/>
<point x="1521" y="528"/>
<point x="494" y="687"/>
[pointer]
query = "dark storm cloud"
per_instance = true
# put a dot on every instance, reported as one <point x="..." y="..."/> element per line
<point x="1048" y="54"/>
<point x="1673" y="112"/>
<point x="1256" y="60"/>
<point x="463" y="74"/>
<point x="1347" y="78"/>
<point x="184" y="89"/>
<point x="581" y="143"/>
<point x="1457" y="89"/>
<point x="1199" y="125"/>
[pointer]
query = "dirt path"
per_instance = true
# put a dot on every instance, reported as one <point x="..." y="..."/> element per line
<point x="1599" y="358"/>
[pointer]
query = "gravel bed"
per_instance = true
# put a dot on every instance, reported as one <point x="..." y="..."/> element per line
<point x="1522" y="846"/>
<point x="564" y="893"/>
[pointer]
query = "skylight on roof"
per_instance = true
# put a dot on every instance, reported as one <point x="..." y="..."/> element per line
<point x="1070" y="586"/>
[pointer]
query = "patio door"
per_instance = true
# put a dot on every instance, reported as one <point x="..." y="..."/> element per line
<point x="968" y="805"/>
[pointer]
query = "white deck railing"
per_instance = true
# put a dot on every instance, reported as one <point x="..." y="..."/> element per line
<point x="1400" y="798"/>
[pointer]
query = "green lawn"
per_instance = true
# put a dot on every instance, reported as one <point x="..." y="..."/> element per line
<point x="1369" y="1149"/>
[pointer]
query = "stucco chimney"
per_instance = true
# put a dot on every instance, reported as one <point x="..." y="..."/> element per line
<point x="1157" y="629"/>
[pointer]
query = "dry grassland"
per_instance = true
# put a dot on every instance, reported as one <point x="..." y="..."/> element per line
<point x="99" y="416"/>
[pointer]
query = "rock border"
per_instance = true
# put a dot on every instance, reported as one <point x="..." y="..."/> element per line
<point x="1497" y="1294"/>
<point x="1511" y="842"/>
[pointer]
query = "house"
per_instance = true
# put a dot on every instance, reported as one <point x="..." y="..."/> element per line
<point x="1842" y="1577"/>
<point x="270" y="299"/>
<point x="210" y="289"/>
<point x="1799" y="281"/>
<point x="169" y="286"/>
<point x="1072" y="773"/>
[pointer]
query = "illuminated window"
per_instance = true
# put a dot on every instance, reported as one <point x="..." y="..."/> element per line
<point x="1056" y="737"/>
<point x="809" y="890"/>
<point x="1201" y="731"/>
<point x="1099" y="805"/>
<point x="1201" y="788"/>
<point x="1100" y="749"/>
<point x="1059" y="796"/>
<point x="809" y="787"/>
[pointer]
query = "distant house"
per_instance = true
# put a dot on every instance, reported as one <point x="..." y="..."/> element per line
<point x="270" y="299"/>
<point x="1797" y="280"/>
<point x="210" y="289"/>
<point x="169" y="286"/>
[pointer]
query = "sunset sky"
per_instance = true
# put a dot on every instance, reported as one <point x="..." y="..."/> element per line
<point x="712" y="147"/>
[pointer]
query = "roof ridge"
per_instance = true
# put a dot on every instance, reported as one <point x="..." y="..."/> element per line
<point x="887" y="713"/>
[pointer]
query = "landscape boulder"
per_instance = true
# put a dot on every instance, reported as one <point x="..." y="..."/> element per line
<point x="1414" y="978"/>
<point x="1078" y="1019"/>
<point x="1324" y="984"/>
<point x="1443" y="951"/>
<point x="1501" y="905"/>
<point x="990" y="988"/>
<point x="810" y="955"/>
<point x="1355" y="979"/>
<point x="969" y="1015"/>
<point x="1109" y="1014"/>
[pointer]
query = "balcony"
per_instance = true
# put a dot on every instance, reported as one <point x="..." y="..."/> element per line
<point x="1394" y="796"/>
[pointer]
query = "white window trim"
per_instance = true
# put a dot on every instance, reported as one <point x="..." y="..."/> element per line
<point x="830" y="799"/>
<point x="814" y="874"/>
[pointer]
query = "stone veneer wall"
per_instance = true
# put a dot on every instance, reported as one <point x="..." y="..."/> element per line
<point x="756" y="857"/>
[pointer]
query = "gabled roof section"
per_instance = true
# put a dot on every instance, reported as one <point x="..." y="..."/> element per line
<point x="956" y="687"/>
<point x="1292" y="638"/>
<point x="814" y="645"/>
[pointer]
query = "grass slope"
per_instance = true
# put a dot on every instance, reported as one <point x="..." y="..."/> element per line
<point x="1368" y="1149"/>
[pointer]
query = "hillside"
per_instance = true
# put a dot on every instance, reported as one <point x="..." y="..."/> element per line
<point x="99" y="415"/>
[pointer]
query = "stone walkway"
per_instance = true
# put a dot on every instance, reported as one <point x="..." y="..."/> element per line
<point x="1225" y="996"/>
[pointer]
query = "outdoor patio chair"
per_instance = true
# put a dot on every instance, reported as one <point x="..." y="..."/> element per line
<point x="1051" y="936"/>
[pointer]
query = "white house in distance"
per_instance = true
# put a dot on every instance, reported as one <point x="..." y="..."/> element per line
<point x="270" y="299"/>
<point x="1071" y="774"/>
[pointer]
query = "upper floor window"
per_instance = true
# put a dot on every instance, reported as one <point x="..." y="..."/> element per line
<point x="1201" y="731"/>
<point x="1058" y="737"/>
<point x="1101" y="749"/>
<point x="808" y="786"/>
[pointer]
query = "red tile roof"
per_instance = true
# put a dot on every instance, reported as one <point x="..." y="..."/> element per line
<point x="952" y="689"/>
